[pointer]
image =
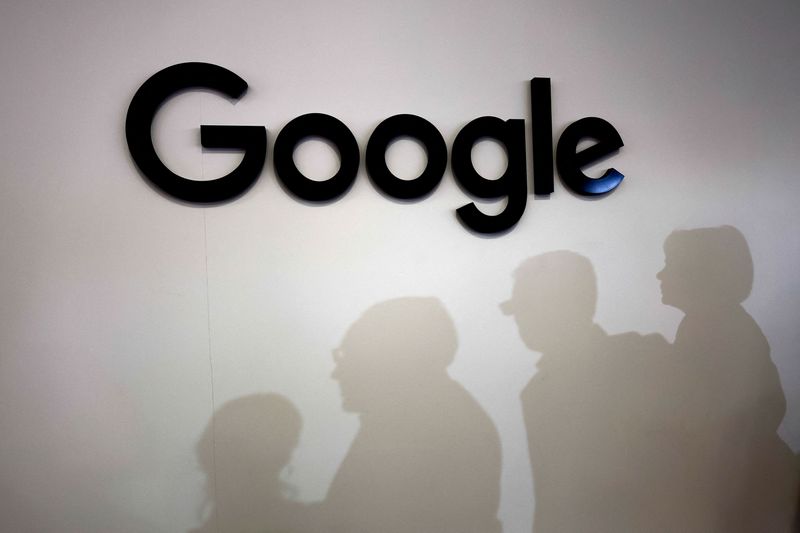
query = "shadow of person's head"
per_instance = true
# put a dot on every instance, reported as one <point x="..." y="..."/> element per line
<point x="243" y="451"/>
<point x="426" y="456"/>
<point x="706" y="268"/>
<point x="553" y="300"/>
<point x="393" y="353"/>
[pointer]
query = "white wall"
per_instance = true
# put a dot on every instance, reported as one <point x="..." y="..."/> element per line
<point x="128" y="318"/>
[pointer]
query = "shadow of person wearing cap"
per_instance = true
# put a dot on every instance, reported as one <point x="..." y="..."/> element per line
<point x="594" y="411"/>
<point x="427" y="457"/>
<point x="242" y="452"/>
<point x="744" y="476"/>
<point x="629" y="433"/>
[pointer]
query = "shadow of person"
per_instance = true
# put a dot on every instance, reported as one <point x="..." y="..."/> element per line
<point x="744" y="476"/>
<point x="426" y="458"/>
<point x="242" y="452"/>
<point x="593" y="411"/>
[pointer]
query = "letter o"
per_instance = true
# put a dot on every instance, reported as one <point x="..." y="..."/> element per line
<point x="326" y="127"/>
<point x="406" y="126"/>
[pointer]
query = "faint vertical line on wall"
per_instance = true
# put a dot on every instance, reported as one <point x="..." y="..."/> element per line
<point x="210" y="355"/>
<point x="211" y="371"/>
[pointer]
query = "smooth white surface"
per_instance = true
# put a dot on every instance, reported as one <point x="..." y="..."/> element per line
<point x="117" y="302"/>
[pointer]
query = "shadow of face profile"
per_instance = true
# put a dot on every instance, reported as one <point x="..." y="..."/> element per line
<point x="553" y="299"/>
<point x="393" y="354"/>
<point x="706" y="268"/>
<point x="426" y="457"/>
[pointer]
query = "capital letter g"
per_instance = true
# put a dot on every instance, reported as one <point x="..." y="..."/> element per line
<point x="251" y="139"/>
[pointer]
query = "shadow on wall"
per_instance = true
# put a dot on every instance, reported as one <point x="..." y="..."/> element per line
<point x="242" y="452"/>
<point x="626" y="432"/>
<point x="629" y="433"/>
<point x="425" y="459"/>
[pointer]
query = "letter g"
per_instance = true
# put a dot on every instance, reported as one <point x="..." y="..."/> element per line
<point x="146" y="102"/>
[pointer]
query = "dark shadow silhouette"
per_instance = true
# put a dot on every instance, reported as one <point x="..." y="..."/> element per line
<point x="744" y="476"/>
<point x="588" y="409"/>
<point x="427" y="457"/>
<point x="627" y="433"/>
<point x="242" y="451"/>
<point x="797" y="507"/>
